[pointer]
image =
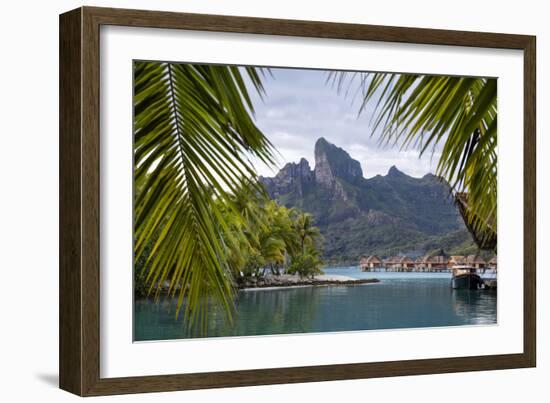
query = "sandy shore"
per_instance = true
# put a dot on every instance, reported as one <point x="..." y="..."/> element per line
<point x="286" y="280"/>
<point x="334" y="277"/>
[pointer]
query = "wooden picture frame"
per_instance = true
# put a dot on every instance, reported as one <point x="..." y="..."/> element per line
<point x="79" y="317"/>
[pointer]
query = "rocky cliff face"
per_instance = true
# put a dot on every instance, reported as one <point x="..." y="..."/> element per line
<point x="292" y="178"/>
<point x="332" y="166"/>
<point x="388" y="208"/>
<point x="332" y="162"/>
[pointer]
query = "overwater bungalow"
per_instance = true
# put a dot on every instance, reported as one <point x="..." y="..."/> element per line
<point x="399" y="263"/>
<point x="436" y="262"/>
<point x="372" y="262"/>
<point x="419" y="264"/>
<point x="406" y="263"/>
<point x="393" y="263"/>
<point x="476" y="261"/>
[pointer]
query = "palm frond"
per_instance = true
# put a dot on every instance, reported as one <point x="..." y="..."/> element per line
<point x="460" y="113"/>
<point x="194" y="135"/>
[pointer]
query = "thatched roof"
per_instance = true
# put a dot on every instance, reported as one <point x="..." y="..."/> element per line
<point x="399" y="260"/>
<point x="437" y="259"/>
<point x="373" y="259"/>
<point x="393" y="260"/>
<point x="493" y="260"/>
<point x="475" y="259"/>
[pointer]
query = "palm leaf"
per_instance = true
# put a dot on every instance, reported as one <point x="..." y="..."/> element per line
<point x="460" y="113"/>
<point x="194" y="135"/>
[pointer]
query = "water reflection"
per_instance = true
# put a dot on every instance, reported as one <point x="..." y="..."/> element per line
<point x="475" y="306"/>
<point x="398" y="301"/>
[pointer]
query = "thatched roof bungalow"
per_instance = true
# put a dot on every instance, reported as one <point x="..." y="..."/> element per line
<point x="476" y="261"/>
<point x="435" y="261"/>
<point x="492" y="263"/>
<point x="406" y="262"/>
<point x="399" y="263"/>
<point x="393" y="262"/>
<point x="371" y="262"/>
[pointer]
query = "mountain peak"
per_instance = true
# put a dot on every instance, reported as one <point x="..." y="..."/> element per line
<point x="321" y="141"/>
<point x="295" y="170"/>
<point x="395" y="173"/>
<point x="333" y="162"/>
<point x="292" y="178"/>
<point x="430" y="175"/>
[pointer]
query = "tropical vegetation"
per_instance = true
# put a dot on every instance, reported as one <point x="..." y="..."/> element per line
<point x="194" y="135"/>
<point x="201" y="218"/>
<point x="272" y="240"/>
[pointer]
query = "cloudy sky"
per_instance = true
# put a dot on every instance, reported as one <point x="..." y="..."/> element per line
<point x="300" y="107"/>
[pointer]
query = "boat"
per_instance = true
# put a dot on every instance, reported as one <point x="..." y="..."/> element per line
<point x="466" y="278"/>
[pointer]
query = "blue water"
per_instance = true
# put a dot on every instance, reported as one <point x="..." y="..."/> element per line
<point x="400" y="300"/>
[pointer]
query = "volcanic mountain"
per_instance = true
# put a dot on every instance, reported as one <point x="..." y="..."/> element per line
<point x="385" y="214"/>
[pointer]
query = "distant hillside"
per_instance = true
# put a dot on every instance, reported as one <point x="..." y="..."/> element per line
<point x="384" y="215"/>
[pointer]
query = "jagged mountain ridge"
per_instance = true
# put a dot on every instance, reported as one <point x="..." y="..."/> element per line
<point x="358" y="215"/>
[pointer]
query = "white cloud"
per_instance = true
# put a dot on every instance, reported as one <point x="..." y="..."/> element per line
<point x="300" y="107"/>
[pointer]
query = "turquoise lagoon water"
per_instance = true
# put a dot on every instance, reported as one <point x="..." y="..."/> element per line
<point x="400" y="300"/>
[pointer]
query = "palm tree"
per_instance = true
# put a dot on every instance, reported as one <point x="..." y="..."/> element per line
<point x="307" y="233"/>
<point x="272" y="250"/>
<point x="275" y="234"/>
<point x="194" y="135"/>
<point x="305" y="258"/>
<point x="460" y="113"/>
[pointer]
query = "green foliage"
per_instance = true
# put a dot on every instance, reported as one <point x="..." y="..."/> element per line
<point x="193" y="137"/>
<point x="254" y="264"/>
<point x="458" y="112"/>
<point x="270" y="237"/>
<point x="306" y="232"/>
<point x="305" y="258"/>
<point x="305" y="264"/>
<point x="280" y="237"/>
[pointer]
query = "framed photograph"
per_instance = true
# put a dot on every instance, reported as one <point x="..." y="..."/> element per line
<point x="249" y="201"/>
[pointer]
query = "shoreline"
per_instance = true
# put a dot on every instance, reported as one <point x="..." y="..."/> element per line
<point x="287" y="281"/>
<point x="284" y="281"/>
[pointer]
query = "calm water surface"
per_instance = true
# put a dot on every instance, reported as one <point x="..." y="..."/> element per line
<point x="400" y="300"/>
